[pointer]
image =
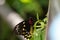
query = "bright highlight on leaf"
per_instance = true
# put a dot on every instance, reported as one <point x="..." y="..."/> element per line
<point x="25" y="1"/>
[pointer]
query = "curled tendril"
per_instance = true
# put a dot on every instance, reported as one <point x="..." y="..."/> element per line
<point x="41" y="24"/>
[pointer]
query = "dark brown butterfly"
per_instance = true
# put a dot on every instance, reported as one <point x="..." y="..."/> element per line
<point x="25" y="28"/>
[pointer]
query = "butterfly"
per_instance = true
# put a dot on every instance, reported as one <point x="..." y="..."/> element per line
<point x="25" y="28"/>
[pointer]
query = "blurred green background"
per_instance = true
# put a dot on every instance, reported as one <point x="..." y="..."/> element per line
<point x="5" y="31"/>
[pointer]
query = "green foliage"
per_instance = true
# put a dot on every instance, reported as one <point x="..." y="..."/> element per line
<point x="28" y="9"/>
<point x="40" y="33"/>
